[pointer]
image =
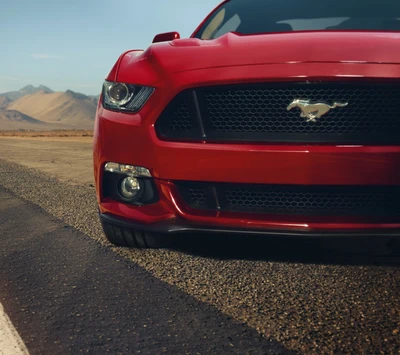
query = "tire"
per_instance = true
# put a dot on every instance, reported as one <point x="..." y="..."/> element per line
<point x="126" y="237"/>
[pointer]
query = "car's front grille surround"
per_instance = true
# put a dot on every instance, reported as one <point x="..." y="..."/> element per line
<point x="292" y="199"/>
<point x="258" y="113"/>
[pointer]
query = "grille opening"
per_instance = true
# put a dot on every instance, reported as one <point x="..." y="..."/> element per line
<point x="258" y="112"/>
<point x="292" y="199"/>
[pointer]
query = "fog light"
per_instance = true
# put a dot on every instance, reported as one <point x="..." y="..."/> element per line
<point x="130" y="188"/>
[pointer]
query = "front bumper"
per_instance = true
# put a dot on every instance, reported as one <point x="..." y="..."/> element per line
<point x="174" y="226"/>
<point x="172" y="214"/>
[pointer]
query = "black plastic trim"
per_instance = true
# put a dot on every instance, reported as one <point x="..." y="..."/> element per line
<point x="177" y="226"/>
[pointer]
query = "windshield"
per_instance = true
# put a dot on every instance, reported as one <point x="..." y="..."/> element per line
<point x="263" y="16"/>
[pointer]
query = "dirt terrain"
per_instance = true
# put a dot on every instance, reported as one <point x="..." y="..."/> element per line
<point x="67" y="158"/>
<point x="308" y="296"/>
<point x="48" y="134"/>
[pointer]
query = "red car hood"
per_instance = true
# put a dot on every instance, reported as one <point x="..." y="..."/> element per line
<point x="317" y="47"/>
<point x="161" y="59"/>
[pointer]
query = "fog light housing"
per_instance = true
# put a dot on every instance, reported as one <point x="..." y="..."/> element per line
<point x="129" y="184"/>
<point x="130" y="188"/>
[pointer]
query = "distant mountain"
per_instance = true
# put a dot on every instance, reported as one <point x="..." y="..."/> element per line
<point x="69" y="108"/>
<point x="95" y="98"/>
<point x="79" y="96"/>
<point x="27" y="90"/>
<point x="76" y="95"/>
<point x="16" y="116"/>
<point x="4" y="102"/>
<point x="12" y="119"/>
<point x="40" y="108"/>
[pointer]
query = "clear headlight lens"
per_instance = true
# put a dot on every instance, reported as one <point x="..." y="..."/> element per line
<point x="125" y="97"/>
<point x="134" y="171"/>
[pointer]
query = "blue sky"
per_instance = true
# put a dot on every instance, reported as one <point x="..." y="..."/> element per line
<point x="72" y="44"/>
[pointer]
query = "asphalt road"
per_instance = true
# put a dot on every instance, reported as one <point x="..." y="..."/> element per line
<point x="300" y="295"/>
<point x="66" y="294"/>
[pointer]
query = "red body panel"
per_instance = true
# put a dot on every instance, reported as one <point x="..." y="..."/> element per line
<point x="234" y="50"/>
<point x="186" y="63"/>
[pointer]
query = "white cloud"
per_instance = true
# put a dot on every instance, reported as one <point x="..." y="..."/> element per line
<point x="45" y="56"/>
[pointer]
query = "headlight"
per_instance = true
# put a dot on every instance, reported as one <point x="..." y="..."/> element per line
<point x="134" y="171"/>
<point x="125" y="97"/>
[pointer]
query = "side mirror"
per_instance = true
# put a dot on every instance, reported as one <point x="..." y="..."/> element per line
<point x="165" y="37"/>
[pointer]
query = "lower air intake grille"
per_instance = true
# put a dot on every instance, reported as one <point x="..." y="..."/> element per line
<point x="279" y="199"/>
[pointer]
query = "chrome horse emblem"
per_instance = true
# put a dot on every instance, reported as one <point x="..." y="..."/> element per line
<point x="313" y="111"/>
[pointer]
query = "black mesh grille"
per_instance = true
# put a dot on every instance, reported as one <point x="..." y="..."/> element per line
<point x="265" y="110"/>
<point x="196" y="197"/>
<point x="289" y="199"/>
<point x="258" y="112"/>
<point x="180" y="117"/>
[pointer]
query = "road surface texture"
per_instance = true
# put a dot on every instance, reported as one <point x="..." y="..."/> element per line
<point x="305" y="296"/>
<point x="66" y="294"/>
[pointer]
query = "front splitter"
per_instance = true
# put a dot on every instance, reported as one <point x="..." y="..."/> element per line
<point x="180" y="226"/>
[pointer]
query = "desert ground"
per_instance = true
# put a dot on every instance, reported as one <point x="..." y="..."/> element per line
<point x="304" y="296"/>
<point x="67" y="158"/>
<point x="48" y="134"/>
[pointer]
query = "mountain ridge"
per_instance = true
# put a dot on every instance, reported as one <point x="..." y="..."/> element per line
<point x="41" y="108"/>
<point x="26" y="90"/>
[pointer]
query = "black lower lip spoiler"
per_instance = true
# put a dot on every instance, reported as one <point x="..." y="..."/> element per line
<point x="177" y="226"/>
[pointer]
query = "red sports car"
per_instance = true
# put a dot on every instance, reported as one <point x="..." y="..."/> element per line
<point x="277" y="117"/>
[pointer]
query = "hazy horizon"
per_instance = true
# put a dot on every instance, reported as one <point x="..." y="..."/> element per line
<point x="73" y="45"/>
<point x="46" y="86"/>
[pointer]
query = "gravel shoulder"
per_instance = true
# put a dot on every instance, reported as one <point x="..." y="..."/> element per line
<point x="301" y="293"/>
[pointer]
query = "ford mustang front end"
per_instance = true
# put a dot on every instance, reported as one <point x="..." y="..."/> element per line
<point x="275" y="117"/>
